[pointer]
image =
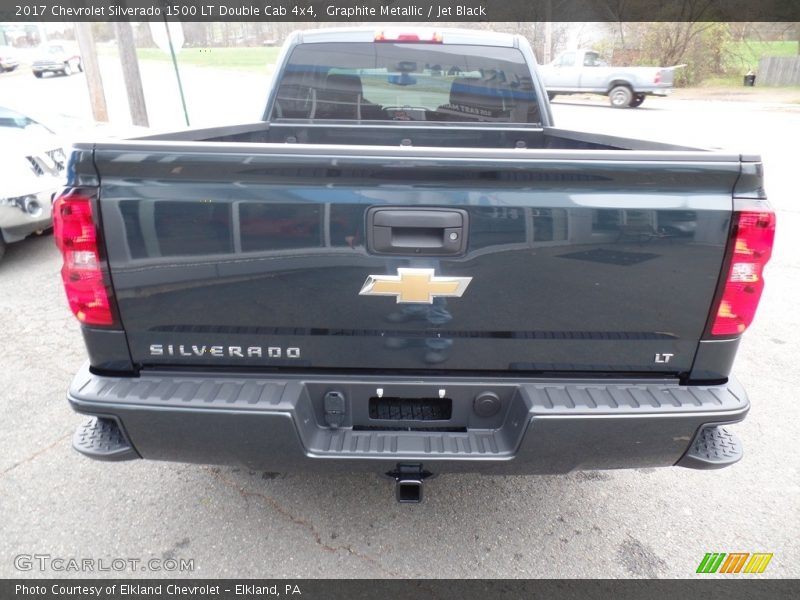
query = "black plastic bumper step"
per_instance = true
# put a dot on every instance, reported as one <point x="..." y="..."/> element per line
<point x="102" y="439"/>
<point x="410" y="409"/>
<point x="714" y="447"/>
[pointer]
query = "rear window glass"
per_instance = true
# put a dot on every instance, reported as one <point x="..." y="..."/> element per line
<point x="406" y="82"/>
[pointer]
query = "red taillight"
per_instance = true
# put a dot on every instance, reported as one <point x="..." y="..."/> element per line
<point x="399" y="36"/>
<point x="752" y="247"/>
<point x="76" y="236"/>
<point x="657" y="78"/>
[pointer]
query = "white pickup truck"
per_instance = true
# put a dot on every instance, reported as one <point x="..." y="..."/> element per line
<point x="582" y="71"/>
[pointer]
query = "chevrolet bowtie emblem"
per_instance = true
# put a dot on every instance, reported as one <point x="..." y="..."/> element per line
<point x="415" y="286"/>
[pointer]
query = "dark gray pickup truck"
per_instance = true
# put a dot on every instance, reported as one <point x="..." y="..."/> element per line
<point x="405" y="267"/>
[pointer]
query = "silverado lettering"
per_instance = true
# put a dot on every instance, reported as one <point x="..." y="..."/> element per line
<point x="223" y="351"/>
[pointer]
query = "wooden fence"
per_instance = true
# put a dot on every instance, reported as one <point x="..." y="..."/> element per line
<point x="778" y="70"/>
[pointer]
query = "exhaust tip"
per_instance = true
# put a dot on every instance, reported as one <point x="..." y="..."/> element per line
<point x="409" y="491"/>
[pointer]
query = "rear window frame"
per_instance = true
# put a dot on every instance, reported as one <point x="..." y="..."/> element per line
<point x="525" y="74"/>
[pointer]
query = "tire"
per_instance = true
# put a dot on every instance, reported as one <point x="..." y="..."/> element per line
<point x="620" y="96"/>
<point x="67" y="70"/>
<point x="637" y="100"/>
<point x="2" y="247"/>
<point x="37" y="74"/>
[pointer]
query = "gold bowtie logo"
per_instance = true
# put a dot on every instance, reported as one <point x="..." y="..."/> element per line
<point x="419" y="286"/>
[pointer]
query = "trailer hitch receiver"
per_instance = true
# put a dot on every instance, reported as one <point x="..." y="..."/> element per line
<point x="408" y="482"/>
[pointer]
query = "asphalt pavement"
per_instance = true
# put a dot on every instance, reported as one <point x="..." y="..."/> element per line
<point x="237" y="523"/>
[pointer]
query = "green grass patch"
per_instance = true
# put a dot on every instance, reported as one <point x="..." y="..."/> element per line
<point x="740" y="57"/>
<point x="250" y="59"/>
<point x="721" y="81"/>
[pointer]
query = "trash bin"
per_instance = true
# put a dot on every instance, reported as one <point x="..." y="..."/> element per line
<point x="749" y="80"/>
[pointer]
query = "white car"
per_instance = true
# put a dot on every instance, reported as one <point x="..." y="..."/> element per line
<point x="57" y="58"/>
<point x="32" y="163"/>
<point x="8" y="59"/>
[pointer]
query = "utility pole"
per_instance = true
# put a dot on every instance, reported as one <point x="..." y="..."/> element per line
<point x="548" y="31"/>
<point x="83" y="32"/>
<point x="177" y="72"/>
<point x="130" y="72"/>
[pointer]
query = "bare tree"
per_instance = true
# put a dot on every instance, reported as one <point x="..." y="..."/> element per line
<point x="672" y="40"/>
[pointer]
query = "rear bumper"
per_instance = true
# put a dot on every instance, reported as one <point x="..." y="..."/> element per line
<point x="654" y="91"/>
<point x="279" y="424"/>
<point x="44" y="67"/>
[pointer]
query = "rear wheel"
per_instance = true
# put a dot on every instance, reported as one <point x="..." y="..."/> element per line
<point x="620" y="96"/>
<point x="37" y="74"/>
<point x="637" y="100"/>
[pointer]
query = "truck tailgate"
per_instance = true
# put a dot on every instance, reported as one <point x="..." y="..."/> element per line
<point x="245" y="255"/>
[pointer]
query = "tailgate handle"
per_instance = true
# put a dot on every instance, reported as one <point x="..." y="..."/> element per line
<point x="417" y="231"/>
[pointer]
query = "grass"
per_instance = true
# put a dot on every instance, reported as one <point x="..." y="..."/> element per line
<point x="723" y="81"/>
<point x="249" y="59"/>
<point x="743" y="56"/>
